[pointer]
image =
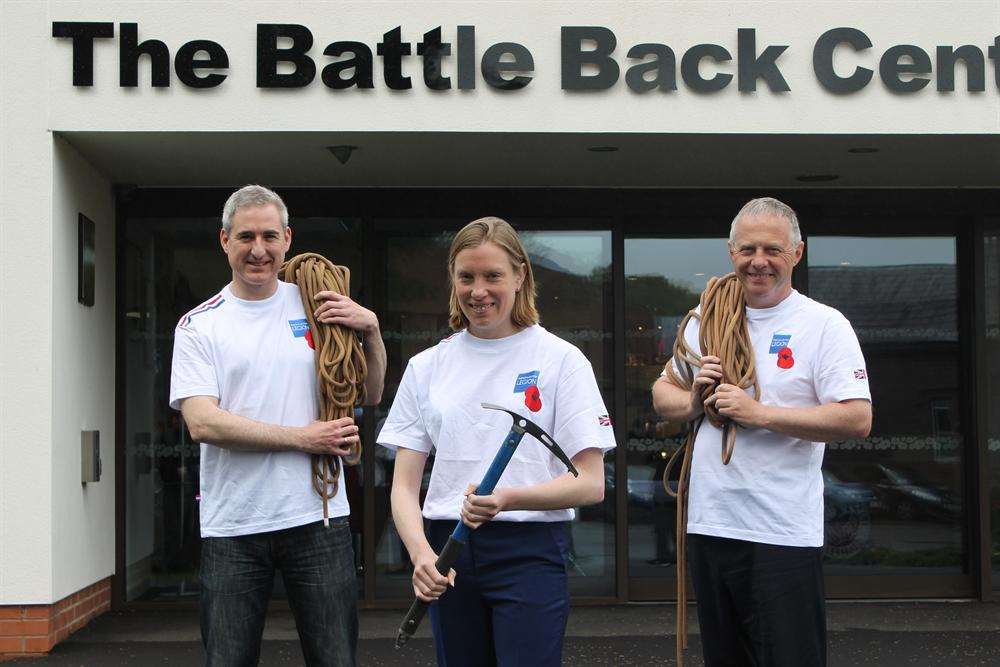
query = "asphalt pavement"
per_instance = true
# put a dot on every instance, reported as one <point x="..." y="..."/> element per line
<point x="876" y="634"/>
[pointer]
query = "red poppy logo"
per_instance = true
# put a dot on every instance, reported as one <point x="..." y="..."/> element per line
<point x="532" y="398"/>
<point x="309" y="339"/>
<point x="785" y="358"/>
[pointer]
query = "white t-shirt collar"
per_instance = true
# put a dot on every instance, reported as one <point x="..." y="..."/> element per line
<point x="252" y="303"/>
<point x="497" y="345"/>
<point x="782" y="307"/>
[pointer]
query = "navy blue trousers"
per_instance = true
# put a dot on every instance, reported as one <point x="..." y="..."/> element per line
<point x="510" y="601"/>
<point x="759" y="605"/>
<point x="317" y="566"/>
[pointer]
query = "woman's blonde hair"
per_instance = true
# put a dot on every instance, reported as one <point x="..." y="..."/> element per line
<point x="498" y="231"/>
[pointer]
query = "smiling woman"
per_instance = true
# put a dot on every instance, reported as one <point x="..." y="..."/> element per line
<point x="488" y="267"/>
<point x="520" y="547"/>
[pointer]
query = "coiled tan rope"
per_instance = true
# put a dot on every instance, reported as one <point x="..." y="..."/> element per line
<point x="340" y="362"/>
<point x="722" y="333"/>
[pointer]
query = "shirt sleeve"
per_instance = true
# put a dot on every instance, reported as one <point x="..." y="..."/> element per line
<point x="192" y="372"/>
<point x="841" y="373"/>
<point x="581" y="418"/>
<point x="404" y="427"/>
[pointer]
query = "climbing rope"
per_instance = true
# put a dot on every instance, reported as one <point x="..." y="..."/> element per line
<point x="722" y="333"/>
<point x="340" y="362"/>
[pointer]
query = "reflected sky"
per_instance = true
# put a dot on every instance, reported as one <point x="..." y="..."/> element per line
<point x="576" y="252"/>
<point x="691" y="262"/>
<point x="881" y="251"/>
<point x="684" y="262"/>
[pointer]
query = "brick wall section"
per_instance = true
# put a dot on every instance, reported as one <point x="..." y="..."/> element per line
<point x="32" y="630"/>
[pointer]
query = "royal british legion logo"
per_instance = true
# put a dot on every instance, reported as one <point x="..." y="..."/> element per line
<point x="525" y="380"/>
<point x="779" y="341"/>
<point x="299" y="327"/>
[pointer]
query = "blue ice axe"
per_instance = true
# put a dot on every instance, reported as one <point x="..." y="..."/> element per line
<point x="460" y="535"/>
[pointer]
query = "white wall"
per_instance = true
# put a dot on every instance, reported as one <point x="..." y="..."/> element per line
<point x="807" y="109"/>
<point x="57" y="357"/>
<point x="26" y="418"/>
<point x="83" y="377"/>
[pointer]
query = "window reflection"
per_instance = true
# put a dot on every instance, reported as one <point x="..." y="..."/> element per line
<point x="415" y="280"/>
<point x="573" y="273"/>
<point x="663" y="281"/>
<point x="991" y="293"/>
<point x="894" y="499"/>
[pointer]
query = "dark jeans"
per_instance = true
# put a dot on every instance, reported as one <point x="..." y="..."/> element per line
<point x="758" y="604"/>
<point x="317" y="566"/>
<point x="510" y="602"/>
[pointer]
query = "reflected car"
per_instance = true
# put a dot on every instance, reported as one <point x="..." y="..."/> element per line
<point x="846" y="516"/>
<point x="839" y="494"/>
<point x="644" y="497"/>
<point x="905" y="495"/>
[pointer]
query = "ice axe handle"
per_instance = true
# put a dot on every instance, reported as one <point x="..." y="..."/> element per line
<point x="417" y="610"/>
<point x="460" y="535"/>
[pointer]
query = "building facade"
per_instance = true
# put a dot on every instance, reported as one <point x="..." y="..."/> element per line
<point x="619" y="138"/>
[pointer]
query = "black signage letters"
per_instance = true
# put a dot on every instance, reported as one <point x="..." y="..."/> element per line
<point x="975" y="68"/>
<point x="433" y="51"/>
<point x="574" y="58"/>
<point x="361" y="63"/>
<point x="129" y="50"/>
<point x="890" y="67"/>
<point x="494" y="67"/>
<point x="752" y="66"/>
<point x="823" y="60"/>
<point x="993" y="53"/>
<point x="269" y="55"/>
<point x="392" y="49"/>
<point x="186" y="65"/>
<point x="587" y="61"/>
<point x="692" y="59"/>
<point x="466" y="57"/>
<point x="664" y="63"/>
<point x="83" y="36"/>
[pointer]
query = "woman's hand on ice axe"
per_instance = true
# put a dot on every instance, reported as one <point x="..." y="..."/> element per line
<point x="428" y="583"/>
<point x="477" y="510"/>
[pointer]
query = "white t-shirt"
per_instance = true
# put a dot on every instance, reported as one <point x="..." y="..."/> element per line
<point x="256" y="357"/>
<point x="437" y="406"/>
<point x="772" y="490"/>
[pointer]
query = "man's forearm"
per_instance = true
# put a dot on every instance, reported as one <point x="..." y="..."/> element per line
<point x="823" y="423"/>
<point x="672" y="403"/>
<point x="375" y="358"/>
<point x="215" y="426"/>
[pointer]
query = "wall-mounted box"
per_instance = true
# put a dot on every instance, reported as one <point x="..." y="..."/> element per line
<point x="90" y="445"/>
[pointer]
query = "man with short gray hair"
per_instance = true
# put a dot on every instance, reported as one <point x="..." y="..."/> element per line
<point x="755" y="526"/>
<point x="244" y="378"/>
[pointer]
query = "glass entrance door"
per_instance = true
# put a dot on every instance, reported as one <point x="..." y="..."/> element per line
<point x="663" y="281"/>
<point x="171" y="266"/>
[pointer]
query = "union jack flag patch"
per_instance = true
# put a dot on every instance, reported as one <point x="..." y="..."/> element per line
<point x="604" y="420"/>
<point x="860" y="374"/>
